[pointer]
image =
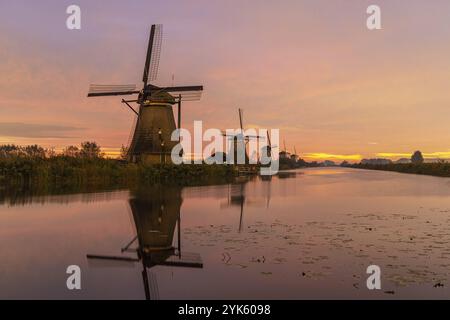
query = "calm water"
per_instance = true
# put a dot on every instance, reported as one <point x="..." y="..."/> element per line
<point x="306" y="234"/>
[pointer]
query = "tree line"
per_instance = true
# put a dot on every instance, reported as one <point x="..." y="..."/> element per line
<point x="87" y="150"/>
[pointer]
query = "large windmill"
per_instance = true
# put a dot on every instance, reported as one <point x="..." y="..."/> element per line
<point x="155" y="122"/>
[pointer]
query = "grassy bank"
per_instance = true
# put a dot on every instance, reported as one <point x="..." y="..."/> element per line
<point x="66" y="172"/>
<point x="432" y="169"/>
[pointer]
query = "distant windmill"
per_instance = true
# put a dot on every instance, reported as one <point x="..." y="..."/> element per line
<point x="240" y="140"/>
<point x="269" y="147"/>
<point x="284" y="154"/>
<point x="295" y="156"/>
<point x="155" y="123"/>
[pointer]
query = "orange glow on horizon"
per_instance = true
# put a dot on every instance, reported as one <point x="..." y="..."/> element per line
<point x="426" y="155"/>
<point x="328" y="156"/>
<point x="314" y="75"/>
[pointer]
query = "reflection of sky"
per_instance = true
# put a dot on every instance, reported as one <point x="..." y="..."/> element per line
<point x="310" y="68"/>
<point x="329" y="223"/>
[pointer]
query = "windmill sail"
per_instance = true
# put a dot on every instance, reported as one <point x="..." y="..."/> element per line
<point x="99" y="90"/>
<point x="156" y="52"/>
<point x="185" y="93"/>
<point x="182" y="89"/>
<point x="153" y="54"/>
<point x="240" y="119"/>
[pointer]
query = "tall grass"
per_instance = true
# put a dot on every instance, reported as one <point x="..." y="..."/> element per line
<point x="67" y="171"/>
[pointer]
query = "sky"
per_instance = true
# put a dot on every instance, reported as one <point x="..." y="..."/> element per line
<point x="312" y="69"/>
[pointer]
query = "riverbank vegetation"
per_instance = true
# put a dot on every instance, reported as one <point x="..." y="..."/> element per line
<point x="439" y="169"/>
<point x="87" y="166"/>
<point x="292" y="163"/>
<point x="415" y="165"/>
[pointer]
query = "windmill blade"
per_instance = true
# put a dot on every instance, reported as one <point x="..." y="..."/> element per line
<point x="237" y="136"/>
<point x="153" y="54"/>
<point x="187" y="95"/>
<point x="153" y="286"/>
<point x="182" y="89"/>
<point x="100" y="90"/>
<point x="186" y="260"/>
<point x="129" y="244"/>
<point x="177" y="89"/>
<point x="148" y="56"/>
<point x="114" y="93"/>
<point x="113" y="258"/>
<point x="146" y="284"/>
<point x="156" y="52"/>
<point x="268" y="138"/>
<point x="240" y="119"/>
<point x="230" y="136"/>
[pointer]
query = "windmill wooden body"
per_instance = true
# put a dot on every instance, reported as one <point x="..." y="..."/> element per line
<point x="155" y="122"/>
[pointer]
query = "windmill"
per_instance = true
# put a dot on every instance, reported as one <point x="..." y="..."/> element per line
<point x="151" y="141"/>
<point x="156" y="215"/>
<point x="266" y="150"/>
<point x="240" y="141"/>
<point x="295" y="156"/>
<point x="284" y="154"/>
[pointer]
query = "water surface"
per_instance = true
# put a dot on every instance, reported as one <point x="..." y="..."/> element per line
<point x="304" y="234"/>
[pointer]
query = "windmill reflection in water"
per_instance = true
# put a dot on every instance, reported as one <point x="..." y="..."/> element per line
<point x="156" y="215"/>
<point x="237" y="196"/>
